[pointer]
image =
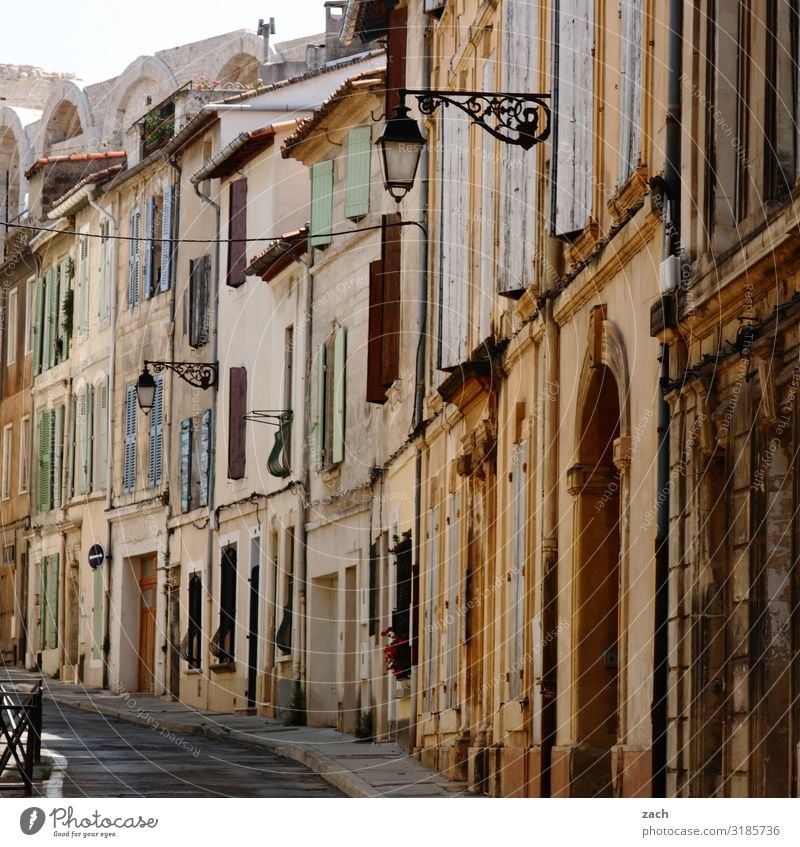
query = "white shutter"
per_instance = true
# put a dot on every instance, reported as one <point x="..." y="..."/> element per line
<point x="488" y="217"/>
<point x="101" y="441"/>
<point x="149" y="247"/>
<point x="574" y="117"/>
<point x="133" y="261"/>
<point x="105" y="272"/>
<point x="80" y="443"/>
<point x="89" y="437"/>
<point x="517" y="166"/>
<point x="630" y="92"/>
<point x="339" y="394"/>
<point x="167" y="247"/>
<point x="454" y="258"/>
<point x="83" y="284"/>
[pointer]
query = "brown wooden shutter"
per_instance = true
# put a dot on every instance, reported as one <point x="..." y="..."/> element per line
<point x="390" y="259"/>
<point x="395" y="57"/>
<point x="237" y="408"/>
<point x="376" y="393"/>
<point x="237" y="232"/>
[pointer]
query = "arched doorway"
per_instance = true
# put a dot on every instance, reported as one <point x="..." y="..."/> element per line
<point x="595" y="483"/>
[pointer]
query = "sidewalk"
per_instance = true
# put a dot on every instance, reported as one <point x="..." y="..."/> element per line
<point x="358" y="769"/>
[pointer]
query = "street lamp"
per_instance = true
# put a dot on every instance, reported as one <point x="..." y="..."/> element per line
<point x="518" y="119"/>
<point x="199" y="374"/>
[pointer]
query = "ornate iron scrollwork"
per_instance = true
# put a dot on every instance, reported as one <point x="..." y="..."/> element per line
<point x="521" y="119"/>
<point x="199" y="374"/>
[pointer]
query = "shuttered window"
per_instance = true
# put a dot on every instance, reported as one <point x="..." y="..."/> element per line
<point x="64" y="312"/>
<point x="339" y="394"/>
<point x="157" y="433"/>
<point x="199" y="278"/>
<point x="453" y="579"/>
<point x="43" y="602"/>
<point x="630" y="89"/>
<point x="72" y="447"/>
<point x="104" y="290"/>
<point x="319" y="424"/>
<point x="101" y="439"/>
<point x="49" y="318"/>
<point x="237" y="232"/>
<point x="97" y="613"/>
<point x="38" y="324"/>
<point x="195" y="620"/>
<point x="45" y="481"/>
<point x="237" y="426"/>
<point x="83" y="285"/>
<point x="488" y="270"/>
<point x="129" y="446"/>
<point x="167" y="246"/>
<point x="84" y="436"/>
<point x="206" y="447"/>
<point x="149" y="247"/>
<point x="58" y="454"/>
<point x="321" y="204"/>
<point x="574" y="116"/>
<point x="52" y="600"/>
<point x="186" y="464"/>
<point x="359" y="159"/>
<point x="518" y="556"/>
<point x="517" y="182"/>
<point x="133" y="260"/>
<point x="430" y="700"/>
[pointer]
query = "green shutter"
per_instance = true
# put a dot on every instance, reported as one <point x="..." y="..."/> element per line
<point x="42" y="601"/>
<point x="38" y="310"/>
<point x="65" y="311"/>
<point x="320" y="425"/>
<point x="359" y="152"/>
<point x="52" y="602"/>
<point x="45" y="462"/>
<point x="71" y="446"/>
<point x="101" y="443"/>
<point x="339" y="393"/>
<point x="97" y="612"/>
<point x="186" y="464"/>
<point x="321" y="203"/>
<point x="58" y="453"/>
<point x="50" y="296"/>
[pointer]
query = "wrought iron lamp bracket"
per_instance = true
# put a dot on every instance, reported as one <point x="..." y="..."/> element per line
<point x="271" y="417"/>
<point x="199" y="374"/>
<point x="514" y="118"/>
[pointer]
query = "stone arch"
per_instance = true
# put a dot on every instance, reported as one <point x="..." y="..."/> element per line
<point x="147" y="77"/>
<point x="67" y="115"/>
<point x="240" y="70"/>
<point x="16" y="156"/>
<point x="231" y="54"/>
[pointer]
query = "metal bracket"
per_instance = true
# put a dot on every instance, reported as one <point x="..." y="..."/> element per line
<point x="199" y="374"/>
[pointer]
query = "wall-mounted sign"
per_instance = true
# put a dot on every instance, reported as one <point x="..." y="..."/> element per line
<point x="97" y="555"/>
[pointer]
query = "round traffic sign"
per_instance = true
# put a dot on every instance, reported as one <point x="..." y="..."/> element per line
<point x="97" y="555"/>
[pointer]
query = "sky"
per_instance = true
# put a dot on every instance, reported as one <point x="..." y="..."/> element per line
<point x="96" y="39"/>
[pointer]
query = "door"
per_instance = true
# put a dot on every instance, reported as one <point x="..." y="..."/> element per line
<point x="147" y="623"/>
<point x="252" y="642"/>
<point x="175" y="635"/>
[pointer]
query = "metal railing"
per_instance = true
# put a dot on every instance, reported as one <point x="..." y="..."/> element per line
<point x="20" y="733"/>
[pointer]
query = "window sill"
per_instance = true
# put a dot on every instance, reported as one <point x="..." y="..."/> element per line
<point x="223" y="667"/>
<point x="193" y="671"/>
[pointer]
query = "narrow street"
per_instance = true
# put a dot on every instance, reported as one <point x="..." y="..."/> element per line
<point x="106" y="757"/>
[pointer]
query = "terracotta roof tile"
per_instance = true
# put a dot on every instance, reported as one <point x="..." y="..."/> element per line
<point x="75" y="157"/>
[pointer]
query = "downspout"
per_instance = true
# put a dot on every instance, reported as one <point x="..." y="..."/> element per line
<point x="215" y="388"/>
<point x="419" y="388"/>
<point x="113" y="230"/>
<point x="672" y="178"/>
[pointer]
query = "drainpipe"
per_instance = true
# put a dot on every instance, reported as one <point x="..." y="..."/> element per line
<point x="672" y="209"/>
<point x="419" y="388"/>
<point x="215" y="388"/>
<point x="113" y="231"/>
<point x="63" y="496"/>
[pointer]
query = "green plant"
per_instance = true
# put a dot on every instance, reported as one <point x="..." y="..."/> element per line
<point x="295" y="714"/>
<point x="68" y="310"/>
<point x="364" y="726"/>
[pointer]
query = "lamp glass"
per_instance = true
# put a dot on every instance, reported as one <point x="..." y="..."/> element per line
<point x="146" y="391"/>
<point x="400" y="144"/>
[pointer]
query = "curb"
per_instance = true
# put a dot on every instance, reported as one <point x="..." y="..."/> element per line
<point x="324" y="766"/>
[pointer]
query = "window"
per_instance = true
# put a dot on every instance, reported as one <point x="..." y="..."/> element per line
<point x="6" y="482"/>
<point x="100" y="440"/>
<point x="51" y="438"/>
<point x="374" y="589"/>
<point x="383" y="348"/>
<point x="37" y="326"/>
<point x="48" y="602"/>
<point x="283" y="633"/>
<point x="237" y="426"/>
<point x="103" y="299"/>
<point x="187" y="426"/>
<point x="167" y="256"/>
<point x="331" y="399"/>
<point x="517" y="558"/>
<point x="321" y="204"/>
<point x="30" y="291"/>
<point x="152" y="248"/>
<point x="133" y="260"/>
<point x="237" y="232"/>
<point x="11" y="327"/>
<point x="194" y="636"/>
<point x="24" y="447"/>
<point x="224" y="643"/>
<point x="199" y="276"/>
<point x="630" y="94"/>
<point x="195" y="461"/>
<point x="84" y="425"/>
<point x="430" y="617"/>
<point x="129" y="454"/>
<point x="83" y="285"/>
<point x="157" y="434"/>
<point x="359" y="151"/>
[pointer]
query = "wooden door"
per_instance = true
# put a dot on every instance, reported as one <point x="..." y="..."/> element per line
<point x="147" y="623"/>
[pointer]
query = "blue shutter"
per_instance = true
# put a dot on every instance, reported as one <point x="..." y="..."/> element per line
<point x="205" y="456"/>
<point x="149" y="247"/>
<point x="133" y="261"/>
<point x="339" y="393"/>
<point x="321" y="203"/>
<point x="129" y="456"/>
<point x="167" y="247"/>
<point x="157" y="432"/>
<point x="186" y="464"/>
<point x="359" y="151"/>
